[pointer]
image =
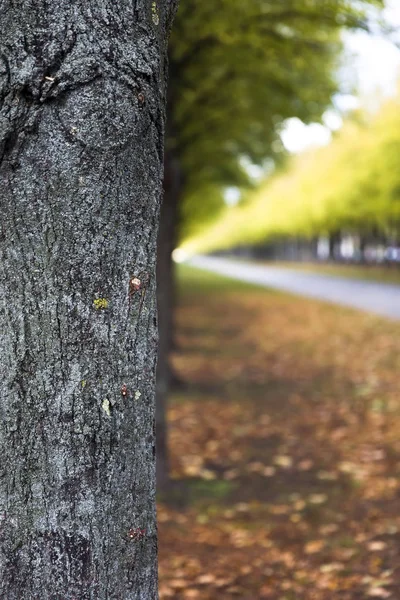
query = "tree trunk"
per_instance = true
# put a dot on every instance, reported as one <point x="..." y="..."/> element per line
<point x="334" y="240"/>
<point x="82" y="94"/>
<point x="166" y="303"/>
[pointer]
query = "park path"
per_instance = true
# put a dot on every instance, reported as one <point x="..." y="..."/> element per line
<point x="379" y="298"/>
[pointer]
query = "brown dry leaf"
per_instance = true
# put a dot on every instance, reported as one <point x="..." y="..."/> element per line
<point x="295" y="518"/>
<point x="305" y="465"/>
<point x="255" y="467"/>
<point x="231" y="474"/>
<point x="379" y="592"/>
<point x="376" y="546"/>
<point x="269" y="471"/>
<point x="235" y="590"/>
<point x="192" y="470"/>
<point x="207" y="474"/>
<point x="283" y="461"/>
<point x="346" y="553"/>
<point x="178" y="584"/>
<point x="165" y="592"/>
<point x="328" y="529"/>
<point x="206" y="579"/>
<point x="331" y="567"/>
<point x="314" y="546"/>
<point x="191" y="593"/>
<point x="279" y="509"/>
<point x="246" y="570"/>
<point x="267" y="592"/>
<point x="317" y="498"/>
<point x="242" y="507"/>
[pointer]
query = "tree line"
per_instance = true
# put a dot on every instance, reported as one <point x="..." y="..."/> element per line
<point x="349" y="188"/>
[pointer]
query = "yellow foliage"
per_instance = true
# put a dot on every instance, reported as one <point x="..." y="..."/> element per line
<point x="353" y="183"/>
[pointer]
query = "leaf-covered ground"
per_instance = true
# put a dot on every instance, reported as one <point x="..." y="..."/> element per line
<point x="285" y="447"/>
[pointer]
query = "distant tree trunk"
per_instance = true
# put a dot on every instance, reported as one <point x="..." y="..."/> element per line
<point x="166" y="302"/>
<point x="82" y="94"/>
<point x="363" y="245"/>
<point x="334" y="239"/>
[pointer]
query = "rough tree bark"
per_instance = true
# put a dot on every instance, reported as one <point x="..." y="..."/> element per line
<point x="82" y="95"/>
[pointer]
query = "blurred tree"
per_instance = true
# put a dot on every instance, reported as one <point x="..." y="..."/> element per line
<point x="237" y="71"/>
<point x="82" y="103"/>
<point x="351" y="185"/>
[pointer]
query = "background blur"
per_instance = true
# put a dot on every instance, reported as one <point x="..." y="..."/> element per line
<point x="278" y="410"/>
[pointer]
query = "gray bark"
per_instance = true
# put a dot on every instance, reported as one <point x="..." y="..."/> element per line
<point x="82" y="94"/>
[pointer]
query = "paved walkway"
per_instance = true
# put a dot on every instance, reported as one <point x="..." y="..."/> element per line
<point x="380" y="298"/>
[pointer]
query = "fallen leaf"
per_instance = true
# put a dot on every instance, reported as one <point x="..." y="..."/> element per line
<point x="317" y="498"/>
<point x="269" y="471"/>
<point x="206" y="579"/>
<point x="379" y="592"/>
<point x="178" y="584"/>
<point x="376" y="546"/>
<point x="314" y="546"/>
<point x="283" y="461"/>
<point x="191" y="593"/>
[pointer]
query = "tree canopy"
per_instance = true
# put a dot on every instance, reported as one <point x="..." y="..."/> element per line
<point x="353" y="184"/>
<point x="238" y="70"/>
